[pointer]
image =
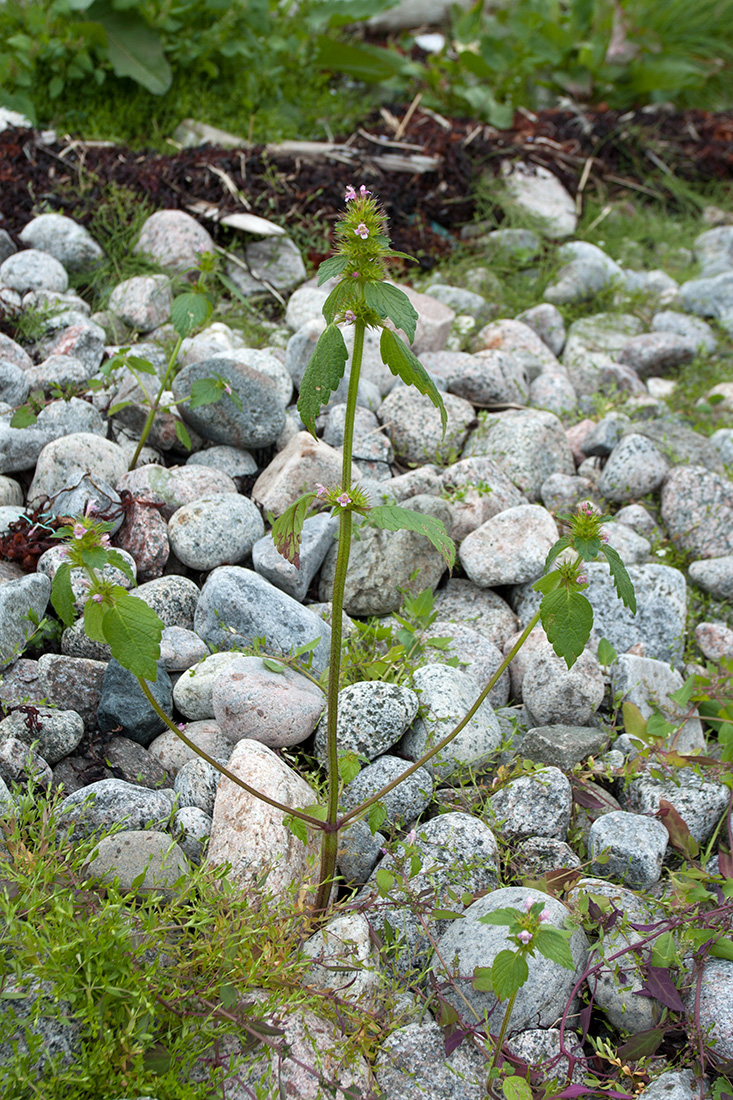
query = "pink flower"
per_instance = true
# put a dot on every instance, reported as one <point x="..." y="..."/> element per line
<point x="354" y="274"/>
<point x="582" y="578"/>
<point x="603" y="536"/>
<point x="64" y="552"/>
<point x="227" y="388"/>
<point x="91" y="508"/>
<point x="411" y="837"/>
<point x="349" y="316"/>
<point x="544" y="916"/>
<point x="79" y="531"/>
<point x="350" y="194"/>
<point x="524" y="936"/>
<point x="97" y="597"/>
<point x="320" y="489"/>
<point x="361" y="231"/>
<point x="363" y="191"/>
<point x="528" y="903"/>
<point x="343" y="500"/>
<point x="104" y="542"/>
<point x="182" y="726"/>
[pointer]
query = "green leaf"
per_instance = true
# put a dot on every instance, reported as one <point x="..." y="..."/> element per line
<point x="390" y="517"/>
<point x="62" y="596"/>
<point x="516" y="1088"/>
<point x="664" y="950"/>
<point x="297" y="827"/>
<point x="568" y="620"/>
<point x="560" y="545"/>
<point x="587" y="549"/>
<point x="722" y="949"/>
<point x="405" y="364"/>
<point x="134" y="49"/>
<point x="548" y="583"/>
<point x="606" y="652"/>
<point x="272" y="666"/>
<point x="553" y="944"/>
<point x="373" y="64"/>
<point x="337" y="300"/>
<point x="24" y="417"/>
<point x="508" y="973"/>
<point x="634" y="720"/>
<point x="322" y="375"/>
<point x="331" y="267"/>
<point x="391" y="302"/>
<point x="94" y="557"/>
<point x="205" y="391"/>
<point x="349" y="767"/>
<point x="384" y="880"/>
<point x="133" y="631"/>
<point x="481" y="980"/>
<point x="139" y="365"/>
<point x="621" y="578"/>
<point x="287" y="529"/>
<point x="190" y="311"/>
<point x="114" y="557"/>
<point x="182" y="434"/>
<point x="500" y="916"/>
<point x="117" y="407"/>
<point x="377" y="815"/>
<point x="93" y="613"/>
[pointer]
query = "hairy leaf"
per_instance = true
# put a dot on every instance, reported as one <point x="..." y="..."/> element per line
<point x="349" y="767"/>
<point x="62" y="596"/>
<point x="134" y="49"/>
<point x="93" y="613"/>
<point x="548" y="583"/>
<point x="621" y="578"/>
<point x="377" y="815"/>
<point x="287" y="530"/>
<point x="133" y="631"/>
<point x="384" y="880"/>
<point x="190" y="311"/>
<point x="272" y="666"/>
<point x="334" y="265"/>
<point x="503" y="916"/>
<point x="509" y="972"/>
<point x="560" y="545"/>
<point x="568" y="620"/>
<point x="114" y="557"/>
<point x="390" y="517"/>
<point x="337" y="300"/>
<point x="322" y="375"/>
<point x="587" y="549"/>
<point x="205" y="391"/>
<point x="405" y="364"/>
<point x="481" y="980"/>
<point x="551" y="943"/>
<point x="391" y="302"/>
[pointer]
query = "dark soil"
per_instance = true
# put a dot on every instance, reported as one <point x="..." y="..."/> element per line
<point x="641" y="152"/>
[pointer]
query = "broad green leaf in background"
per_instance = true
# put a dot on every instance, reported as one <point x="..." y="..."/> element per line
<point x="390" y="301"/>
<point x="62" y="596"/>
<point x="23" y="417"/>
<point x="553" y="944"/>
<point x="606" y="652"/>
<point x="190" y="311"/>
<point x="322" y="375"/>
<point x="287" y="529"/>
<point x="134" y="49"/>
<point x="205" y="391"/>
<point x="516" y="1088"/>
<point x="349" y="767"/>
<point x="404" y="363"/>
<point x="182" y="434"/>
<point x="390" y="517"/>
<point x="377" y="815"/>
<point x="568" y="620"/>
<point x="371" y="64"/>
<point x="133" y="631"/>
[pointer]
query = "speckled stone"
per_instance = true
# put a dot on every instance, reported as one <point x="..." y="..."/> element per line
<point x="635" y="467"/>
<point x="219" y="529"/>
<point x="172" y="753"/>
<point x="462" y="601"/>
<point x="174" y="487"/>
<point x="509" y="548"/>
<point x="17" y="598"/>
<point x="129" y="856"/>
<point x="554" y="693"/>
<point x="635" y="847"/>
<point x="528" y="445"/>
<point x="697" y="507"/>
<point x="714" y="575"/>
<point x="404" y="803"/>
<point x="372" y="717"/>
<point x="316" y="537"/>
<point x="414" y="427"/>
<point x="111" y="801"/>
<point x="259" y="420"/>
<point x="142" y="302"/>
<point x="32" y="269"/>
<point x="55" y="733"/>
<point x="122" y="704"/>
<point x="174" y="239"/>
<point x="64" y="462"/>
<point x="19" y="763"/>
<point x="68" y="241"/>
<point x="173" y="599"/>
<point x="277" y="708"/>
<point x="533" y="805"/>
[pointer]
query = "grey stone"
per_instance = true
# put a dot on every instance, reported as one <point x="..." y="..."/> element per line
<point x="173" y="488"/>
<point x="661" y="608"/>
<point x="691" y="328"/>
<point x="7" y="247"/>
<point x="35" y="1019"/>
<point x="275" y="261"/>
<point x="716" y="1006"/>
<point x="20" y="448"/>
<point x="76" y="644"/>
<point x="457" y="297"/>
<point x="561" y="493"/>
<point x="601" y="440"/>
<point x="403" y="804"/>
<point x="122" y="704"/>
<point x="462" y="601"/>
<point x="707" y="297"/>
<point x="699" y="803"/>
<point x="446" y="694"/>
<point x="21" y="764"/>
<point x="192" y="829"/>
<point x="372" y="717"/>
<point x="533" y="805"/>
<point x="259" y="420"/>
<point x="87" y="495"/>
<point x="111" y="802"/>
<point x="383" y="564"/>
<point x="33" y="269"/>
<point x="193" y="691"/>
<point x="414" y="426"/>
<point x="181" y="648"/>
<point x="277" y="708"/>
<point x="142" y="302"/>
<point x="714" y="575"/>
<point x="579" y="281"/>
<point x="468" y="943"/>
<point x="83" y="340"/>
<point x="11" y="492"/>
<point x="477" y="490"/>
<point x="592" y="344"/>
<point x="196" y="784"/>
<point x="509" y="548"/>
<point x="528" y="445"/>
<point x="637" y="517"/>
<point x="657" y="353"/>
<point x="645" y="682"/>
<point x="722" y="440"/>
<point x="679" y="444"/>
<point x="55" y="733"/>
<point x="173" y="599"/>
<point x="538" y="192"/>
<point x="697" y="507"/>
<point x="488" y="378"/>
<point x="358" y="852"/>
<point x="316" y="539"/>
<point x="70" y="243"/>
<point x="635" y="847"/>
<point x="14" y="384"/>
<point x="553" y="392"/>
<point x="673" y="1085"/>
<point x="17" y="600"/>
<point x="519" y="244"/>
<point x="631" y="548"/>
<point x="412" y="1065"/>
<point x="476" y="655"/>
<point x="262" y="361"/>
<point x="64" y="462"/>
<point x="635" y="467"/>
<point x="215" y="530"/>
<point x="547" y="321"/>
<point x="134" y="854"/>
<point x="174" y="240"/>
<point x="554" y="693"/>
<point x="563" y="746"/>
<point x="237" y="605"/>
<point x="10" y="352"/>
<point x="538" y="855"/>
<point x="233" y="461"/>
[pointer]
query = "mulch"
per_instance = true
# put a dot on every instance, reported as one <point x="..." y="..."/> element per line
<point x="602" y="154"/>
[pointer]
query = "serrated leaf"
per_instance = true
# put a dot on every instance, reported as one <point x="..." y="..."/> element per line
<point x="272" y="666"/>
<point x="182" y="434"/>
<point x="390" y="517"/>
<point x="568" y="620"/>
<point x="406" y="365"/>
<point x="377" y="815"/>
<point x="93" y="613"/>
<point x="621" y="578"/>
<point x="133" y="631"/>
<point x="481" y="980"/>
<point x="322" y="375"/>
<point x="331" y="267"/>
<point x="384" y="880"/>
<point x="62" y="596"/>
<point x="548" y="583"/>
<point x="114" y="557"/>
<point x="551" y="943"/>
<point x="189" y="312"/>
<point x="500" y="916"/>
<point x="337" y="300"/>
<point x="24" y="417"/>
<point x="606" y="652"/>
<point x="349" y="767"/>
<point x="509" y="972"/>
<point x="288" y="528"/>
<point x="390" y="301"/>
<point x="560" y="545"/>
<point x="297" y="827"/>
<point x="205" y="391"/>
<point x="94" y="557"/>
<point x="587" y="549"/>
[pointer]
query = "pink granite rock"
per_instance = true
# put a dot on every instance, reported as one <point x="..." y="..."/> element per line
<point x="296" y="470"/>
<point x="276" y="708"/>
<point x="144" y="535"/>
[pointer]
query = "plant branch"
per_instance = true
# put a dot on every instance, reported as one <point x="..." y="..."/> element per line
<point x="154" y="407"/>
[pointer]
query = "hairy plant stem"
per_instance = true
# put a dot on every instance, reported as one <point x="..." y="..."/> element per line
<point x="329" y="839"/>
<point x="154" y="407"/>
<point x="500" y="1040"/>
